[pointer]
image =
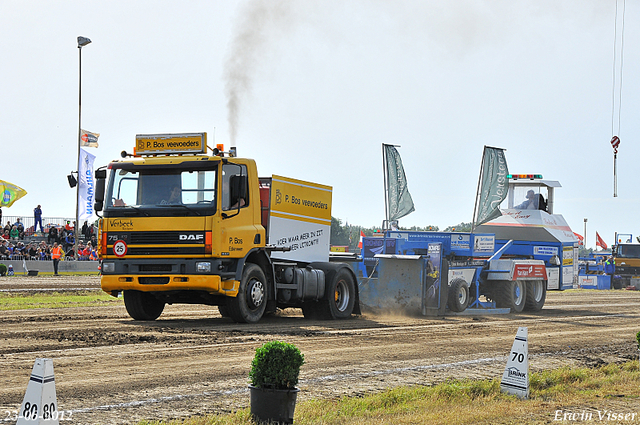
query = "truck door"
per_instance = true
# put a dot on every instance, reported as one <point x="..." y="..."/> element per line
<point x="238" y="227"/>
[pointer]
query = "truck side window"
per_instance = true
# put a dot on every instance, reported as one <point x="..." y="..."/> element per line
<point x="234" y="187"/>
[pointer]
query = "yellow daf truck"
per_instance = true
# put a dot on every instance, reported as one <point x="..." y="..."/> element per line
<point x="182" y="226"/>
<point x="627" y="264"/>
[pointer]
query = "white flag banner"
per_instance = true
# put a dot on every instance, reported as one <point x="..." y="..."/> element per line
<point x="86" y="186"/>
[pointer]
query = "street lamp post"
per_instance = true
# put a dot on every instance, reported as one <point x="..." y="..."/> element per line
<point x="82" y="41"/>
<point x="585" y="233"/>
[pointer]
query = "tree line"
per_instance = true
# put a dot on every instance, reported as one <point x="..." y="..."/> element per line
<point x="349" y="234"/>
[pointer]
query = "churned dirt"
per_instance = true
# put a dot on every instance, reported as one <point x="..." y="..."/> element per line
<point x="110" y="369"/>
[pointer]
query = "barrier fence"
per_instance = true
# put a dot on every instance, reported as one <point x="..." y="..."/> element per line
<point x="44" y="257"/>
<point x="31" y="237"/>
<point x="28" y="222"/>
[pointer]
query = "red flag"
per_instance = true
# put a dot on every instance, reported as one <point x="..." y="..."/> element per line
<point x="362" y="235"/>
<point x="600" y="242"/>
<point x="580" y="238"/>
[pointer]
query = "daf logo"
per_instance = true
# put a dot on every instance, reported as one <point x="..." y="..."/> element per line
<point x="191" y="237"/>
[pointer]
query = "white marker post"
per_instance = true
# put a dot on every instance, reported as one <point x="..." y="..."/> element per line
<point x="39" y="405"/>
<point x="515" y="379"/>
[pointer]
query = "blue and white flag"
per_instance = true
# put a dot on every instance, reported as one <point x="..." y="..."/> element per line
<point x="86" y="186"/>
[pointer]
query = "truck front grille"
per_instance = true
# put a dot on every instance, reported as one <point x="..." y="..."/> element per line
<point x="153" y="280"/>
<point x="155" y="268"/>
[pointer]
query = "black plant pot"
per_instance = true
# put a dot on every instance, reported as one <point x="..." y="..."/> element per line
<point x="273" y="405"/>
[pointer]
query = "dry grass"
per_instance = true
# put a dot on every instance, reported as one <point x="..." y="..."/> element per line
<point x="612" y="387"/>
<point x="20" y="300"/>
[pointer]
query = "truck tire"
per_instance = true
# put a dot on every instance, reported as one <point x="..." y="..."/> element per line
<point x="340" y="297"/>
<point x="616" y="283"/>
<point x="536" y="294"/>
<point x="510" y="294"/>
<point x="250" y="303"/>
<point x="223" y="310"/>
<point x="142" y="306"/>
<point x="312" y="310"/>
<point x="458" y="295"/>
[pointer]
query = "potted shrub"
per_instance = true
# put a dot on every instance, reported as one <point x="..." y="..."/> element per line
<point x="274" y="376"/>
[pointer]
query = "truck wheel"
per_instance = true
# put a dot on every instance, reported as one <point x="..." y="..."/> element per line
<point x="142" y="306"/>
<point x="311" y="310"/>
<point x="536" y="295"/>
<point x="250" y="303"/>
<point x="511" y="295"/>
<point x="340" y="297"/>
<point x="223" y="310"/>
<point x="458" y="295"/>
<point x="616" y="283"/>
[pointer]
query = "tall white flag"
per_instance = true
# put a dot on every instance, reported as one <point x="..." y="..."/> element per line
<point x="86" y="186"/>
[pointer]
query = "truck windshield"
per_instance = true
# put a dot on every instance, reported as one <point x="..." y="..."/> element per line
<point x="155" y="191"/>
<point x="629" y="251"/>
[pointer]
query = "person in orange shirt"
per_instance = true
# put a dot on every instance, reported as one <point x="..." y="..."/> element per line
<point x="56" y="253"/>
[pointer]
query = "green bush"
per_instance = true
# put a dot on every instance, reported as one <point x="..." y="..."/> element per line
<point x="276" y="365"/>
<point x="3" y="270"/>
<point x="638" y="338"/>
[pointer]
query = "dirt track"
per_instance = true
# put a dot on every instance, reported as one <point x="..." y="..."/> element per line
<point x="112" y="370"/>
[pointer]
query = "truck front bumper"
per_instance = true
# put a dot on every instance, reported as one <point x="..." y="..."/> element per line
<point x="212" y="284"/>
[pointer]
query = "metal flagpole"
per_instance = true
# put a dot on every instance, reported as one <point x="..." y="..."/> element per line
<point x="82" y="41"/>
<point x="386" y="185"/>
<point x="475" y="206"/>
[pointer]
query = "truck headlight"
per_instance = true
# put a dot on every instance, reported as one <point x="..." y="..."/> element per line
<point x="108" y="267"/>
<point x="203" y="267"/>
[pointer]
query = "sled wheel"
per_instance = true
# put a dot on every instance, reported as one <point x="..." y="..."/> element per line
<point x="458" y="295"/>
<point x="511" y="295"/>
<point x="536" y="295"/>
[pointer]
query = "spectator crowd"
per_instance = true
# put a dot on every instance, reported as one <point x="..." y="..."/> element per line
<point x="14" y="247"/>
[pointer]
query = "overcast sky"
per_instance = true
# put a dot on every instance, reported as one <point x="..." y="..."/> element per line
<point x="311" y="89"/>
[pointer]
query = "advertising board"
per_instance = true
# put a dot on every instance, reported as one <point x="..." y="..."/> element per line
<point x="300" y="219"/>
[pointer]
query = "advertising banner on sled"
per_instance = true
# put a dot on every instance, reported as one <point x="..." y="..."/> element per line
<point x="493" y="185"/>
<point x="86" y="186"/>
<point x="399" y="199"/>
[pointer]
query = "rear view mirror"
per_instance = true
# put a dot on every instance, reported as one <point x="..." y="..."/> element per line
<point x="101" y="178"/>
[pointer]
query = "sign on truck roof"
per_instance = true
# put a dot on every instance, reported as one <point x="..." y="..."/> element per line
<point x="161" y="144"/>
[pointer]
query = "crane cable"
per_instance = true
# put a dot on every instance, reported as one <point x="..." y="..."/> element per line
<point x="613" y="91"/>
<point x="615" y="138"/>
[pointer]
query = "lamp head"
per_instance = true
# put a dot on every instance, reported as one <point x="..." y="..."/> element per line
<point x="83" y="41"/>
<point x="72" y="180"/>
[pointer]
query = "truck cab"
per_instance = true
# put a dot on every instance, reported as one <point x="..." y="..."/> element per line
<point x="180" y="226"/>
<point x="626" y="263"/>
